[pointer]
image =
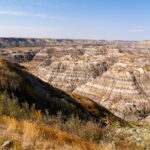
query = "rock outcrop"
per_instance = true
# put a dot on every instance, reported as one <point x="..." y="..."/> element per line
<point x="69" y="67"/>
<point x="67" y="73"/>
<point x="124" y="89"/>
<point x="57" y="51"/>
<point x="19" y="55"/>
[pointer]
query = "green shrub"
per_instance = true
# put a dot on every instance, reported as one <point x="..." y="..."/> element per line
<point x="10" y="106"/>
<point x="9" y="80"/>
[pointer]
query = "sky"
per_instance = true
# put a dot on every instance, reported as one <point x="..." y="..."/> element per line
<point x="78" y="19"/>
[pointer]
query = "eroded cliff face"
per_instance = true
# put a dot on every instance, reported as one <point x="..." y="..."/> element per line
<point x="58" y="51"/>
<point x="124" y="89"/>
<point x="69" y="67"/>
<point x="19" y="55"/>
<point x="69" y="72"/>
<point x="114" y="75"/>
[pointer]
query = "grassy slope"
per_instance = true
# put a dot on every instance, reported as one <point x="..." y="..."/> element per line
<point x="29" y="135"/>
<point x="27" y="87"/>
<point x="98" y="111"/>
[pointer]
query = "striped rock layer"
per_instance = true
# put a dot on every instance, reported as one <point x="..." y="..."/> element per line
<point x="19" y="55"/>
<point x="57" y="51"/>
<point x="124" y="89"/>
<point x="74" y="51"/>
<point x="115" y="76"/>
<point x="68" y="67"/>
<point x="111" y="76"/>
<point x="67" y="73"/>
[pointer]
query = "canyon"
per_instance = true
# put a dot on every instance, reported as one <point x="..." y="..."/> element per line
<point x="114" y="74"/>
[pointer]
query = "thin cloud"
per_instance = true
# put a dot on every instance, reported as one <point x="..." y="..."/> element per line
<point x="136" y="30"/>
<point x="16" y="13"/>
<point x="33" y="31"/>
<point x="44" y="16"/>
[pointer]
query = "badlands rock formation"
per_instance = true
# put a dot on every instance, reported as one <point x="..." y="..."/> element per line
<point x="124" y="89"/>
<point x="69" y="67"/>
<point x="68" y="72"/>
<point x="58" y="51"/>
<point x="115" y="74"/>
<point x="117" y="77"/>
<point x="19" y="55"/>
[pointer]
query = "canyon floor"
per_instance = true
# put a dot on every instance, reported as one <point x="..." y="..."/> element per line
<point x="105" y="83"/>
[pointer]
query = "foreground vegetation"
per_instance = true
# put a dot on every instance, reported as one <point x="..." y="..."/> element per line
<point x="28" y="128"/>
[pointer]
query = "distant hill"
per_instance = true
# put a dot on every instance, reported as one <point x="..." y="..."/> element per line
<point x="145" y="43"/>
<point x="16" y="42"/>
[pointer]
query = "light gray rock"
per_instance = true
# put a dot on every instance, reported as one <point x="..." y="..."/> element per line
<point x="123" y="89"/>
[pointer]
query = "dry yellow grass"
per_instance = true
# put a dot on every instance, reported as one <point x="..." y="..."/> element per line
<point x="31" y="135"/>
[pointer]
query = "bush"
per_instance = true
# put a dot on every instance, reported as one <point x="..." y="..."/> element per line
<point x="10" y="106"/>
<point x="9" y="80"/>
<point x="87" y="130"/>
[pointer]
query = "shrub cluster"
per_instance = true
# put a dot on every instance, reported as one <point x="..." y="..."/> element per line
<point x="87" y="130"/>
<point x="10" y="106"/>
<point x="9" y="80"/>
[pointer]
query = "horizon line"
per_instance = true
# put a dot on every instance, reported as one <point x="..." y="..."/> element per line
<point x="21" y="37"/>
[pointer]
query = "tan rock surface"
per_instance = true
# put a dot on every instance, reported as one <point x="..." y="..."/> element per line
<point x="68" y="72"/>
<point x="19" y="55"/>
<point x="124" y="89"/>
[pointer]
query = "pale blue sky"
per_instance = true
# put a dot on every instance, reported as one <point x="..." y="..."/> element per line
<point x="89" y="19"/>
